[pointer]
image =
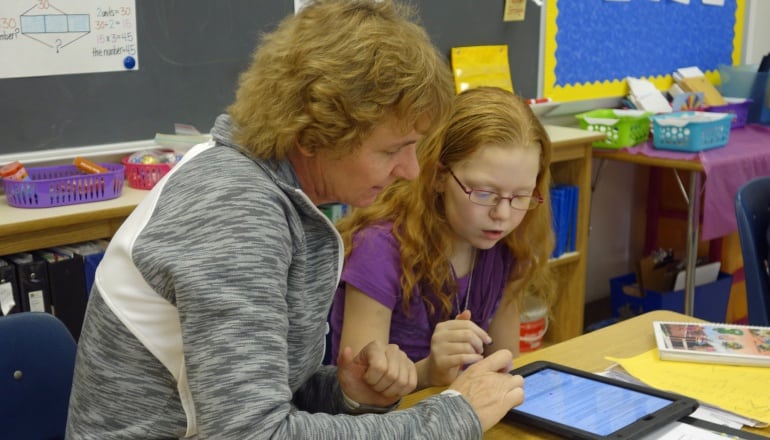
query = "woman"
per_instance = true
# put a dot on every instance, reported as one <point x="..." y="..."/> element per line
<point x="208" y="310"/>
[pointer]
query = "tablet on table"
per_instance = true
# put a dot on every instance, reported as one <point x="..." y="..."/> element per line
<point x="582" y="405"/>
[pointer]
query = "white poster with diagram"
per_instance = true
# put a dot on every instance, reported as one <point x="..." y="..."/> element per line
<point x="60" y="37"/>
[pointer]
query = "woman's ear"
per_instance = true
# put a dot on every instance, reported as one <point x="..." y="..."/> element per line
<point x="305" y="151"/>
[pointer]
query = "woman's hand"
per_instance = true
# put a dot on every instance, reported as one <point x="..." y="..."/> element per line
<point x="490" y="388"/>
<point x="379" y="375"/>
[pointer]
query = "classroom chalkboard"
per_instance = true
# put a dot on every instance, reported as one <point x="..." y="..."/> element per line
<point x="190" y="55"/>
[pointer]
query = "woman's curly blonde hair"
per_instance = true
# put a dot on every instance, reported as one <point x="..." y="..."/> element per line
<point x="482" y="116"/>
<point x="331" y="72"/>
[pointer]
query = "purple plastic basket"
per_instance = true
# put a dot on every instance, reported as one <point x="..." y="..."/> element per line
<point x="64" y="185"/>
<point x="737" y="107"/>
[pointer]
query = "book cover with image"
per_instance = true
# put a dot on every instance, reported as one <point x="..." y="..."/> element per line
<point x="713" y="343"/>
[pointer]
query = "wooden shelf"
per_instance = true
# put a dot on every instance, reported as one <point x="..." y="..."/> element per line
<point x="565" y="258"/>
<point x="571" y="164"/>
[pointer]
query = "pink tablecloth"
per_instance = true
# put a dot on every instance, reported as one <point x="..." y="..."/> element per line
<point x="746" y="155"/>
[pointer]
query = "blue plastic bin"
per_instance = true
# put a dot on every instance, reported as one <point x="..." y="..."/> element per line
<point x="691" y="131"/>
<point x="710" y="299"/>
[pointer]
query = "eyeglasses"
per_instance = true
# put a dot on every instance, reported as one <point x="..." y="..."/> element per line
<point x="491" y="198"/>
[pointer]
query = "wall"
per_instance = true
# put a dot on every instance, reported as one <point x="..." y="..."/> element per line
<point x="757" y="34"/>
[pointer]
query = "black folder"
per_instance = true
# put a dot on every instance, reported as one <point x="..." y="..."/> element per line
<point x="91" y="253"/>
<point x="34" y="289"/>
<point x="10" y="301"/>
<point x="66" y="276"/>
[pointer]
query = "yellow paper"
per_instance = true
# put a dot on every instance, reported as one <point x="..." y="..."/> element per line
<point x="475" y="66"/>
<point x="515" y="10"/>
<point x="740" y="389"/>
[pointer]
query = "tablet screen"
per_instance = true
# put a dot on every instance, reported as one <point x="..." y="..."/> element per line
<point x="578" y="404"/>
<point x="589" y="405"/>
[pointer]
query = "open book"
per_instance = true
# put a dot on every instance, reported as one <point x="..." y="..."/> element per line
<point x="713" y="343"/>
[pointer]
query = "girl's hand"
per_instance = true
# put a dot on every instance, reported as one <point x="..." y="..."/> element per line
<point x="454" y="343"/>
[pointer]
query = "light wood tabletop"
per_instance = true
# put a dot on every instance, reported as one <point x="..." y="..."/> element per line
<point x="586" y="352"/>
<point x="26" y="229"/>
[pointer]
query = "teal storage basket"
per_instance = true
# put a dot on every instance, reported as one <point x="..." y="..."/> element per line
<point x="691" y="131"/>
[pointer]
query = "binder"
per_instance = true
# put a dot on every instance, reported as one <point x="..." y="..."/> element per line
<point x="91" y="261"/>
<point x="32" y="276"/>
<point x="560" y="227"/>
<point x="66" y="276"/>
<point x="92" y="253"/>
<point x="564" y="203"/>
<point x="10" y="302"/>
<point x="572" y="190"/>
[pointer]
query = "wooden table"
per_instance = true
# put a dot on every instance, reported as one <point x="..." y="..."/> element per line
<point x="586" y="352"/>
<point x="723" y="170"/>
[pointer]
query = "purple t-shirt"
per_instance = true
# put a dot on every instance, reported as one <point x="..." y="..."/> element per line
<point x="374" y="267"/>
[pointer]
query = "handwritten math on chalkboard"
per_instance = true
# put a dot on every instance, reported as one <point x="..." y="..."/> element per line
<point x="55" y="37"/>
<point x="591" y="46"/>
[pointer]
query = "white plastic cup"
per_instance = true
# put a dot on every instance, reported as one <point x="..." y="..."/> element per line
<point x="533" y="323"/>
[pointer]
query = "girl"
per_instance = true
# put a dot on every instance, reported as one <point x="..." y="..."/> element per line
<point x="464" y="241"/>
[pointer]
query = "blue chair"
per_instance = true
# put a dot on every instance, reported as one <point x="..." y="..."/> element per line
<point x="752" y="210"/>
<point x="37" y="359"/>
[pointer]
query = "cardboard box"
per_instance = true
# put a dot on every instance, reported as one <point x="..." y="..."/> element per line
<point x="652" y="275"/>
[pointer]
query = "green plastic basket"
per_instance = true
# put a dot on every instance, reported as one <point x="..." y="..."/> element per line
<point x="623" y="128"/>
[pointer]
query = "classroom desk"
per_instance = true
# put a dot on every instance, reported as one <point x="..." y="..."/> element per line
<point x="746" y="155"/>
<point x="586" y="352"/>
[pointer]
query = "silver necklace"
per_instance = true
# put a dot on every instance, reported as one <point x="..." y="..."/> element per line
<point x="468" y="287"/>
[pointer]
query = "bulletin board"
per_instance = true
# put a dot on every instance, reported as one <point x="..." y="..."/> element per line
<point x="591" y="46"/>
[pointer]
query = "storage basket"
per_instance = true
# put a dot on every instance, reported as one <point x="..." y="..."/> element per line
<point x="735" y="106"/>
<point x="144" y="176"/>
<point x="691" y="131"/>
<point x="64" y="185"/>
<point x="623" y="128"/>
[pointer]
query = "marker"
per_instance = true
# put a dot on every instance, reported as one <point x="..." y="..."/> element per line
<point x="538" y="101"/>
<point x="88" y="167"/>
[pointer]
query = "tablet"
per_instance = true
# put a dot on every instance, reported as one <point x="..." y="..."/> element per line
<point x="581" y="405"/>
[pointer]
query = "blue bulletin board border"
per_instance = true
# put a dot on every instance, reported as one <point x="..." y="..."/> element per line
<point x="592" y="46"/>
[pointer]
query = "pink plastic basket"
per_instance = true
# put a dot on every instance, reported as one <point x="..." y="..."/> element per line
<point x="144" y="176"/>
<point x="64" y="185"/>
